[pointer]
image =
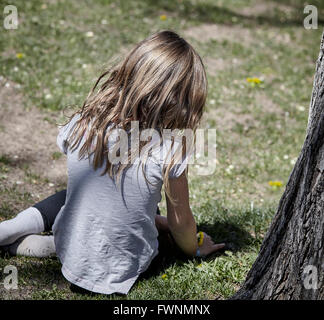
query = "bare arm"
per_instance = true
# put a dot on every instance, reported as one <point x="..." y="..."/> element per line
<point x="180" y="219"/>
<point x="181" y="223"/>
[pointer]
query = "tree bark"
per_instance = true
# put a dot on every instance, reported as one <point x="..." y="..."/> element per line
<point x="295" y="239"/>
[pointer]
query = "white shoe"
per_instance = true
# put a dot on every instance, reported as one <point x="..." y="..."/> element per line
<point x="33" y="245"/>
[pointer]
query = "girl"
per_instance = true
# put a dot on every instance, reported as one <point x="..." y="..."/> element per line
<point x="105" y="225"/>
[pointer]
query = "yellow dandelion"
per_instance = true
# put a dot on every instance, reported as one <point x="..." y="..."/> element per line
<point x="254" y="80"/>
<point x="163" y="17"/>
<point x="164" y="276"/>
<point x="199" y="265"/>
<point x="276" y="184"/>
<point x="19" y="55"/>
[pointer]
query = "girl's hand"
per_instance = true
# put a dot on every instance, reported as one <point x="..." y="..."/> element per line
<point x="208" y="246"/>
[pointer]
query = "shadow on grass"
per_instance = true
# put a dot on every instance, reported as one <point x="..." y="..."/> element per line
<point x="235" y="238"/>
<point x="211" y="13"/>
<point x="41" y="272"/>
<point x="299" y="4"/>
<point x="46" y="272"/>
<point x="22" y="162"/>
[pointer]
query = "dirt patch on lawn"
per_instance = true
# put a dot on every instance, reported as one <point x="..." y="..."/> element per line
<point x="219" y="32"/>
<point x="243" y="35"/>
<point x="215" y="65"/>
<point x="227" y="117"/>
<point x="265" y="8"/>
<point x="267" y="104"/>
<point x="28" y="142"/>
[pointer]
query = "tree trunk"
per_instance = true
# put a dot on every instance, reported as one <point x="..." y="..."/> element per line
<point x="290" y="264"/>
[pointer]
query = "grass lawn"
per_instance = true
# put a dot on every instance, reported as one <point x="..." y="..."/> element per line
<point x="60" y="47"/>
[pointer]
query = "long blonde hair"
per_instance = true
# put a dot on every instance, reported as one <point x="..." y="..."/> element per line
<point x="161" y="84"/>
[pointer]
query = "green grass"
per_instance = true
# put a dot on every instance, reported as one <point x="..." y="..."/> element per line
<point x="56" y="155"/>
<point x="260" y="129"/>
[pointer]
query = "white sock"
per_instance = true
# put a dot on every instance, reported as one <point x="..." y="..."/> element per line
<point x="26" y="222"/>
<point x="33" y="245"/>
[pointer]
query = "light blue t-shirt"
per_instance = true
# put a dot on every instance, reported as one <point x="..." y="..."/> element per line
<point x="105" y="234"/>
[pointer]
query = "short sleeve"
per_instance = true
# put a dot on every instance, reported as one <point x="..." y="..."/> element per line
<point x="182" y="158"/>
<point x="177" y="170"/>
<point x="64" y="133"/>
